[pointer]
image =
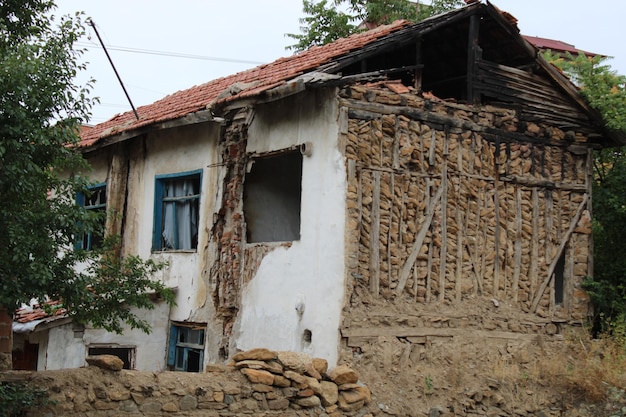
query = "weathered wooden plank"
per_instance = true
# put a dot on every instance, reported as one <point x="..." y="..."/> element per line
<point x="432" y="149"/>
<point x="375" y="237"/>
<point x="429" y="264"/>
<point x="444" y="230"/>
<point x="590" y="181"/>
<point x="518" y="243"/>
<point x="401" y="331"/>
<point x="417" y="75"/>
<point x="472" y="58"/>
<point x="534" y="182"/>
<point x="533" y="271"/>
<point x="549" y="219"/>
<point x="116" y="191"/>
<point x="496" y="201"/>
<point x="564" y="241"/>
<point x="419" y="240"/>
<point x="459" y="223"/>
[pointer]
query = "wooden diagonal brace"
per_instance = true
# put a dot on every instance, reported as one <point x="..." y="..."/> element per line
<point x="419" y="240"/>
<point x="559" y="252"/>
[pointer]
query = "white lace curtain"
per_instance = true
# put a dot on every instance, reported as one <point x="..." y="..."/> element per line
<point x="180" y="217"/>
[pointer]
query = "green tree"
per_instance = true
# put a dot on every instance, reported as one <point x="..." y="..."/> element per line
<point x="41" y="109"/>
<point x="605" y="90"/>
<point x="326" y="22"/>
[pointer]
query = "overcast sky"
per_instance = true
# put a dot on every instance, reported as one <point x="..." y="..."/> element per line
<point x="235" y="35"/>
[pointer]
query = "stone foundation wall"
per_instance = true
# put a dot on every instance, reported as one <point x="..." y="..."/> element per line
<point x="258" y="382"/>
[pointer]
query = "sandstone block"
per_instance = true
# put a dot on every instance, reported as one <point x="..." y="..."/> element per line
<point x="329" y="393"/>
<point x="262" y="388"/>
<point x="110" y="362"/>
<point x="150" y="407"/>
<point x="188" y="402"/>
<point x="343" y="374"/>
<point x="314" y="384"/>
<point x="312" y="372"/>
<point x="279" y="404"/>
<point x="271" y="366"/>
<point x="309" y="402"/>
<point x="119" y="395"/>
<point x="295" y="361"/>
<point x="296" y="377"/>
<point x="281" y="381"/>
<point x="320" y="365"/>
<point x="170" y="407"/>
<point x="307" y="392"/>
<point x="345" y="406"/>
<point x="257" y="376"/>
<point x="105" y="405"/>
<point x="258" y="354"/>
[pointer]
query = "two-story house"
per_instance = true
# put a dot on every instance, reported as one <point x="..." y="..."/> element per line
<point x="350" y="191"/>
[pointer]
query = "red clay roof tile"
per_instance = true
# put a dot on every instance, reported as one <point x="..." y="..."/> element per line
<point x="265" y="77"/>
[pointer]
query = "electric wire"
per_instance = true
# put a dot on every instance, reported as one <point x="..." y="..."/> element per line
<point x="169" y="54"/>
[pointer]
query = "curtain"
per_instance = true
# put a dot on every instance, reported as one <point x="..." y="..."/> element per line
<point x="180" y="218"/>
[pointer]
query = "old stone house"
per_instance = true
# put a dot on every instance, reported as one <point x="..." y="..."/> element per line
<point x="392" y="183"/>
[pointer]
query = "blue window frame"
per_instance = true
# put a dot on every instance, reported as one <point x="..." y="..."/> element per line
<point x="94" y="200"/>
<point x="176" y="211"/>
<point x="186" y="347"/>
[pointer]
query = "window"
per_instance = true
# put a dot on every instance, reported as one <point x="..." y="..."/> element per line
<point x="559" y="280"/>
<point x="272" y="198"/>
<point x="126" y="354"/>
<point x="94" y="200"/>
<point x="186" y="347"/>
<point x="176" y="207"/>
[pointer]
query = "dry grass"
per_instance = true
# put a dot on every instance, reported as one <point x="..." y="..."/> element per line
<point x="582" y="370"/>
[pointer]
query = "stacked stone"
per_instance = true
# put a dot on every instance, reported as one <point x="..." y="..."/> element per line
<point x="294" y="380"/>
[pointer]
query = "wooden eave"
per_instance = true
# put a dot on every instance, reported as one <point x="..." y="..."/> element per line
<point x="189" y="119"/>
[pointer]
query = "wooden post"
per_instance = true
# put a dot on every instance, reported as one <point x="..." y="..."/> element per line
<point x="418" y="61"/>
<point x="518" y="243"/>
<point x="444" y="229"/>
<point x="375" y="237"/>
<point x="117" y="184"/>
<point x="590" y="265"/>
<point x="472" y="57"/>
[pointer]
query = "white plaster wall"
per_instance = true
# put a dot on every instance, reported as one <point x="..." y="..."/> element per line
<point x="170" y="151"/>
<point x="151" y="349"/>
<point x="63" y="350"/>
<point x="41" y="339"/>
<point x="310" y="273"/>
<point x="174" y="151"/>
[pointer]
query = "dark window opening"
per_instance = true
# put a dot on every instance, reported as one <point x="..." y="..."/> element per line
<point x="559" y="280"/>
<point x="272" y="198"/>
<point x="126" y="354"/>
<point x="25" y="356"/>
<point x="186" y="348"/>
<point x="94" y="200"/>
<point x="176" y="212"/>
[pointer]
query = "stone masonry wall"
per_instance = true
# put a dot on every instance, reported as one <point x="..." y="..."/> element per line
<point x="259" y="382"/>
